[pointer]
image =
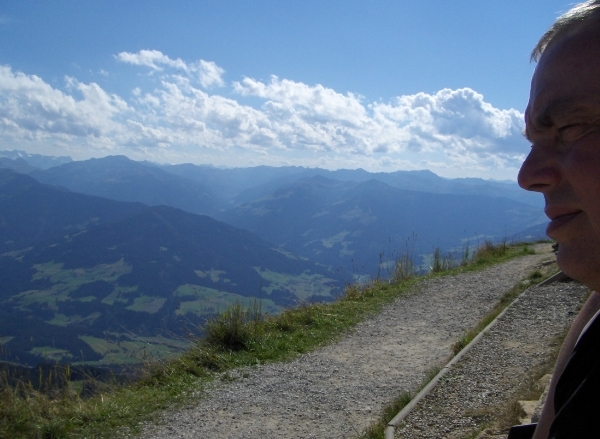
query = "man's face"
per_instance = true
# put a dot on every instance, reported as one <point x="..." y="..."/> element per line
<point x="563" y="124"/>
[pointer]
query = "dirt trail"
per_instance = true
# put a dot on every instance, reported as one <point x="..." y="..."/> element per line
<point x="336" y="391"/>
<point x="476" y="391"/>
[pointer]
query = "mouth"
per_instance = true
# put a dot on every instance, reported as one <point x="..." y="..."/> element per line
<point x="559" y="218"/>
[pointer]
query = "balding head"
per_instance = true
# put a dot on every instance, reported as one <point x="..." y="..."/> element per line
<point x="582" y="15"/>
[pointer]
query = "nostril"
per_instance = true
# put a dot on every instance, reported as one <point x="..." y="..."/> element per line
<point x="539" y="171"/>
<point x="537" y="179"/>
<point x="525" y="178"/>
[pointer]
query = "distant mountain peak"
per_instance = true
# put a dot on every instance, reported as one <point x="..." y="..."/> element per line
<point x="36" y="160"/>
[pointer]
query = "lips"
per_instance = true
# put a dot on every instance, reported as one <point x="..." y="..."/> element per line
<point x="559" y="217"/>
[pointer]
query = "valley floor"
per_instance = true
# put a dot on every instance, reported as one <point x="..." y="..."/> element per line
<point x="338" y="390"/>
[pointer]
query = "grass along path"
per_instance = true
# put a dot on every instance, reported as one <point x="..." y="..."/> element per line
<point x="339" y="389"/>
<point x="242" y="338"/>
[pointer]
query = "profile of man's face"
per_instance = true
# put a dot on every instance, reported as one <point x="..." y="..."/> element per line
<point x="562" y="122"/>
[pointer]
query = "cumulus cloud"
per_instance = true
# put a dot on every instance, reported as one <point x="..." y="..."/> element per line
<point x="207" y="72"/>
<point x="458" y="123"/>
<point x="32" y="108"/>
<point x="315" y="103"/>
<point x="451" y="128"/>
<point x="210" y="74"/>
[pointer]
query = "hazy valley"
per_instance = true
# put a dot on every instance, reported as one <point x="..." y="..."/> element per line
<point x="110" y="260"/>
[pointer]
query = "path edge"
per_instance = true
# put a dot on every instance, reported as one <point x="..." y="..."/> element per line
<point x="390" y="429"/>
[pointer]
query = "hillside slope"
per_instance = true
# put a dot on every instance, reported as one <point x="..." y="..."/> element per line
<point x="123" y="277"/>
<point x="358" y="225"/>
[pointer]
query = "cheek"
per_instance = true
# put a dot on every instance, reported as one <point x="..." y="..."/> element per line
<point x="593" y="213"/>
<point x="583" y="175"/>
<point x="579" y="188"/>
<point x="581" y="167"/>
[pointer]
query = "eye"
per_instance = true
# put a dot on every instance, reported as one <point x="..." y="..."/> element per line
<point x="570" y="133"/>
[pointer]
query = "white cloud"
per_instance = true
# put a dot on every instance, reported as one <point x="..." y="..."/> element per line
<point x="452" y="130"/>
<point x="208" y="73"/>
<point x="30" y="107"/>
<point x="458" y="123"/>
<point x="315" y="103"/>
<point x="153" y="59"/>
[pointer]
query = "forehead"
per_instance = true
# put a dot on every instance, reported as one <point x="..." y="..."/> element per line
<point x="567" y="77"/>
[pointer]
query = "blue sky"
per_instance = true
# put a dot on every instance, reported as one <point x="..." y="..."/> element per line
<point x="382" y="85"/>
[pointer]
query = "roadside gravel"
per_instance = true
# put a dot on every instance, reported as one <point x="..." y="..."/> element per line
<point x="338" y="390"/>
<point x="487" y="377"/>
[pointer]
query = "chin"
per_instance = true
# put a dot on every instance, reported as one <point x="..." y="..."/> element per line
<point x="580" y="265"/>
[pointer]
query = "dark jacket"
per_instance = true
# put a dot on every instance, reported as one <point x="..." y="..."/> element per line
<point x="577" y="393"/>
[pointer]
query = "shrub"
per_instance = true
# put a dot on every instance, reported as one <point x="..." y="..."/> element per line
<point x="489" y="251"/>
<point x="234" y="329"/>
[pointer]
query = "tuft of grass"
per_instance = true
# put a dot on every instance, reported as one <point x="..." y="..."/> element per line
<point x="236" y="328"/>
<point x="27" y="413"/>
<point x="485" y="255"/>
<point x="466" y="255"/>
<point x="441" y="262"/>
<point x="536" y="275"/>
<point x="491" y="250"/>
<point x="404" y="269"/>
<point x="489" y="254"/>
<point x="239" y="337"/>
<point x="429" y="375"/>
<point x="404" y="265"/>
<point x="377" y="428"/>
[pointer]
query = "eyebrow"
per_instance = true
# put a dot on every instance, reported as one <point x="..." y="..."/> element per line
<point x="560" y="109"/>
<point x="556" y="110"/>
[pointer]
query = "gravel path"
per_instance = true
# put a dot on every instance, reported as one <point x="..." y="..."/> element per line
<point x="336" y="391"/>
<point x="488" y="376"/>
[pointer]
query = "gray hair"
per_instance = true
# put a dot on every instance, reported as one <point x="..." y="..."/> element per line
<point x="567" y="23"/>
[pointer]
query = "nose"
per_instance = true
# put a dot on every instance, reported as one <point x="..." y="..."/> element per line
<point x="539" y="172"/>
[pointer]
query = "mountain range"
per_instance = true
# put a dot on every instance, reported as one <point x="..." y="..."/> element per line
<point x="84" y="278"/>
<point x="121" y="179"/>
<point x="104" y="260"/>
<point x="358" y="226"/>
